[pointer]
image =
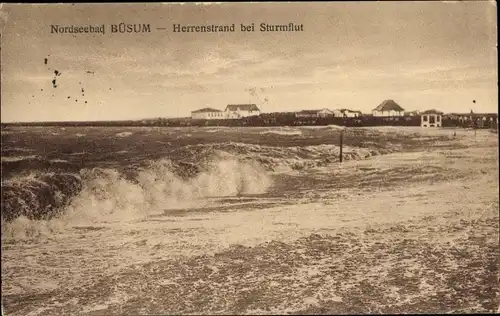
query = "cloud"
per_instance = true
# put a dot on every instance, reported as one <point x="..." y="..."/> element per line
<point x="347" y="54"/>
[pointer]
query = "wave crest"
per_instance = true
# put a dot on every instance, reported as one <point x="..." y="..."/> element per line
<point x="283" y="159"/>
<point x="38" y="195"/>
<point x="109" y="195"/>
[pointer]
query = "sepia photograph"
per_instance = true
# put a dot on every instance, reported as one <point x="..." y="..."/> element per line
<point x="250" y="158"/>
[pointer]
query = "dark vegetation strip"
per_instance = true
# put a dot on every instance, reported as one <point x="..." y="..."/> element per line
<point x="271" y="119"/>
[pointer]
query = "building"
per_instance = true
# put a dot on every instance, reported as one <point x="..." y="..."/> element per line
<point x="315" y="113"/>
<point x="350" y="113"/>
<point x="431" y="118"/>
<point x="388" y="108"/>
<point x="337" y="113"/>
<point x="207" y="114"/>
<point x="478" y="120"/>
<point x="234" y="111"/>
<point x="471" y="116"/>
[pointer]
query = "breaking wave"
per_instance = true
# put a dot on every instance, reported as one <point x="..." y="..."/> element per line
<point x="38" y="195"/>
<point x="41" y="202"/>
<point x="283" y="159"/>
<point x="36" y="202"/>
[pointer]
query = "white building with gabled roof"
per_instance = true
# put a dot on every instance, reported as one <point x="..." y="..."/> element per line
<point x="314" y="113"/>
<point x="234" y="111"/>
<point x="350" y="113"/>
<point x="388" y="108"/>
<point x="207" y="114"/>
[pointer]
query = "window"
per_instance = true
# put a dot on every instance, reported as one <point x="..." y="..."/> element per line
<point x="438" y="118"/>
<point x="432" y="119"/>
<point x="425" y="118"/>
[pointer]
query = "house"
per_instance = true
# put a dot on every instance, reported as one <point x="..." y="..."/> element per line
<point x="461" y="117"/>
<point x="350" y="113"/>
<point x="388" y="108"/>
<point x="314" y="113"/>
<point x="431" y="118"/>
<point x="207" y="114"/>
<point x="472" y="119"/>
<point x="337" y="113"/>
<point x="234" y="111"/>
<point x="471" y="116"/>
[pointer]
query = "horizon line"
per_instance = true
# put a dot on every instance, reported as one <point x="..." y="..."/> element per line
<point x="189" y="117"/>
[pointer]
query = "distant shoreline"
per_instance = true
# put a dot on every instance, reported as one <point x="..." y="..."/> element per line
<point x="262" y="121"/>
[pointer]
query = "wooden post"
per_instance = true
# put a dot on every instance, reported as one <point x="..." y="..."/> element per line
<point x="341" y="143"/>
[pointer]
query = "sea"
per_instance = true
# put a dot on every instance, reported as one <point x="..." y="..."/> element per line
<point x="240" y="220"/>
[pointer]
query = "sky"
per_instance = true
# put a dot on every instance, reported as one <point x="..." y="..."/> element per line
<point x="423" y="55"/>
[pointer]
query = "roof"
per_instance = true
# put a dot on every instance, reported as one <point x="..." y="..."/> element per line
<point x="315" y="111"/>
<point x="206" y="110"/>
<point x="388" y="105"/>
<point x="432" y="111"/>
<point x="309" y="111"/>
<point x="349" y="110"/>
<point x="243" y="107"/>
<point x="473" y="114"/>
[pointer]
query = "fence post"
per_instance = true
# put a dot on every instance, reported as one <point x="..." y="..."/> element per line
<point x="341" y="143"/>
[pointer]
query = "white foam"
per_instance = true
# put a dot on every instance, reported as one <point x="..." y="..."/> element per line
<point x="108" y="197"/>
<point x="20" y="158"/>
<point x="121" y="243"/>
<point x="18" y="149"/>
<point x="283" y="132"/>
<point x="124" y="134"/>
<point x="59" y="161"/>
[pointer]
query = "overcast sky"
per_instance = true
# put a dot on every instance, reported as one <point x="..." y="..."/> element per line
<point x="350" y="55"/>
